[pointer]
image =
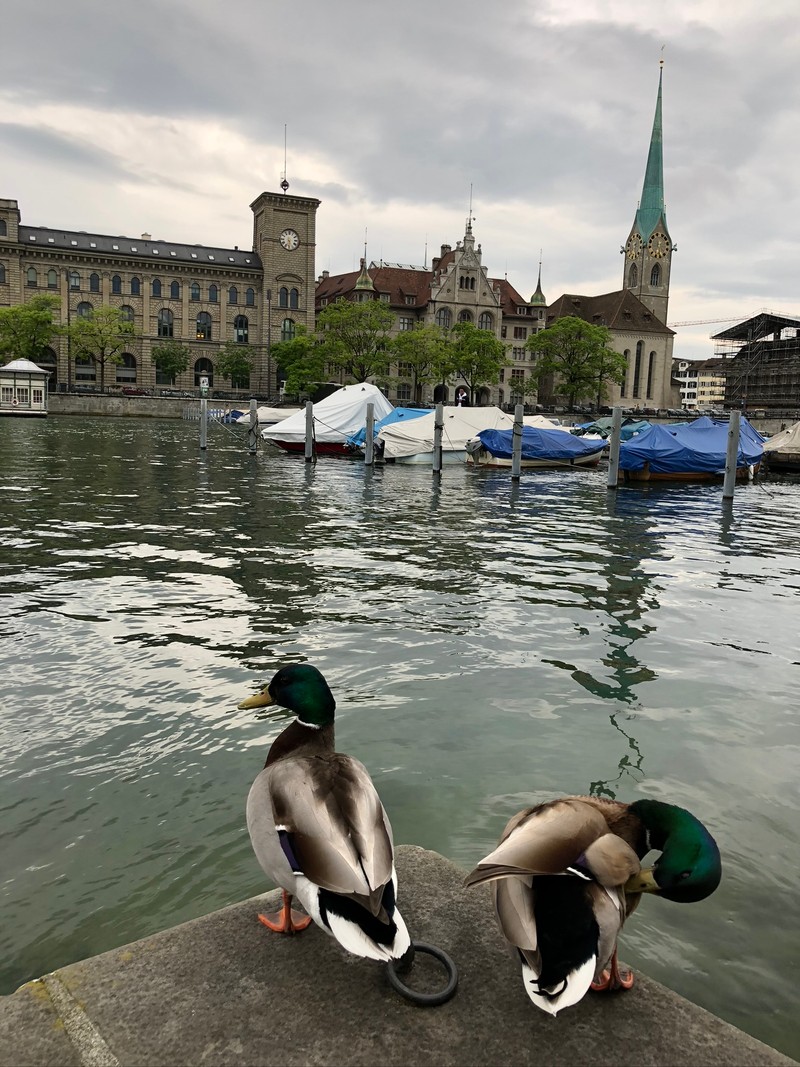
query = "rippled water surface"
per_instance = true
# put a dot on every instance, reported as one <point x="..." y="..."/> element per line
<point x="489" y="646"/>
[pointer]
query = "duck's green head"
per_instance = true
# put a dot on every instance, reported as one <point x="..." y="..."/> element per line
<point x="689" y="867"/>
<point x="300" y="688"/>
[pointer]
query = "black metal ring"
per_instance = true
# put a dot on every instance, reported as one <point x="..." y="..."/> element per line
<point x="428" y="1000"/>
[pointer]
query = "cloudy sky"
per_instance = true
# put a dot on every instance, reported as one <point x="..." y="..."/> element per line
<point x="168" y="116"/>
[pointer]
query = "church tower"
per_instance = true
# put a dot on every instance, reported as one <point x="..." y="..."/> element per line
<point x="648" y="250"/>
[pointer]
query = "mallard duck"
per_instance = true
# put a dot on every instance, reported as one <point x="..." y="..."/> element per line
<point x="567" y="874"/>
<point x="318" y="827"/>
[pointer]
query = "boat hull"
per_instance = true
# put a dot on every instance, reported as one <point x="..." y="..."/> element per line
<point x="783" y="462"/>
<point x="743" y="474"/>
<point x="486" y="459"/>
<point x="321" y="448"/>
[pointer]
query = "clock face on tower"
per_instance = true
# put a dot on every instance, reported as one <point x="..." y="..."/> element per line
<point x="658" y="245"/>
<point x="289" y="240"/>
<point x="633" y="248"/>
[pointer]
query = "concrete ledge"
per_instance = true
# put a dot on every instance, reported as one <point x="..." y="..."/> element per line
<point x="221" y="990"/>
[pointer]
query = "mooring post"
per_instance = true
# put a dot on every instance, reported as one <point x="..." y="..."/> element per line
<point x="438" y="429"/>
<point x="516" y="439"/>
<point x="252" y="434"/>
<point x="309" y="454"/>
<point x="203" y="423"/>
<point x="369" y="442"/>
<point x="613" y="448"/>
<point x="731" y="455"/>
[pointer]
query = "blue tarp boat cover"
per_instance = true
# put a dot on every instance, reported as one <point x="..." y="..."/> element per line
<point x="404" y="414"/>
<point x="540" y="444"/>
<point x="694" y="447"/>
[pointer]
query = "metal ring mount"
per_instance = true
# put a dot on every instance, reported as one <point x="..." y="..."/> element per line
<point x="427" y="1000"/>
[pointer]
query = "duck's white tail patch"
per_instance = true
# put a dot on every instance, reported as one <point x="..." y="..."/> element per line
<point x="351" y="937"/>
<point x="566" y="994"/>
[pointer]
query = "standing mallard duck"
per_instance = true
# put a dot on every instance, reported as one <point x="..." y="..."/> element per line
<point x="318" y="827"/>
<point x="566" y="875"/>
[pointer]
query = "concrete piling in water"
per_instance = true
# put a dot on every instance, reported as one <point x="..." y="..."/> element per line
<point x="613" y="450"/>
<point x="309" y="451"/>
<point x="516" y="450"/>
<point x="203" y="424"/>
<point x="731" y="455"/>
<point x="252" y="430"/>
<point x="438" y="430"/>
<point x="369" y="443"/>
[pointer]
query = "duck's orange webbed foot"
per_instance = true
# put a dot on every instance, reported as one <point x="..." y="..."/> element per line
<point x="287" y="920"/>
<point x="613" y="978"/>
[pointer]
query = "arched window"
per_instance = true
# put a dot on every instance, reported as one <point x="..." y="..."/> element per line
<point x="174" y="290"/>
<point x="294" y="298"/>
<point x="74" y="280"/>
<point x="651" y="366"/>
<point x="2" y="274"/>
<point x="33" y="277"/>
<point x="136" y="286"/>
<point x="156" y="288"/>
<point x="203" y="332"/>
<point x="233" y="295"/>
<point x="194" y="291"/>
<point x="203" y="368"/>
<point x="250" y="298"/>
<point x="283" y="297"/>
<point x="52" y="279"/>
<point x="465" y="316"/>
<point x="94" y="283"/>
<point x="3" y="228"/>
<point x="116" y="285"/>
<point x="126" y="370"/>
<point x="655" y="274"/>
<point x="444" y="318"/>
<point x="485" y="322"/>
<point x="472" y="283"/>
<point x="461" y="282"/>
<point x="637" y="369"/>
<point x="213" y="294"/>
<point x="287" y="329"/>
<point x="84" y="310"/>
<point x="126" y="313"/>
<point x="165" y="323"/>
<point x="633" y="276"/>
<point x="241" y="329"/>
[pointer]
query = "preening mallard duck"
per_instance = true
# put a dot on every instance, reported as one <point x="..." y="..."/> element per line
<point x="318" y="827"/>
<point x="567" y="874"/>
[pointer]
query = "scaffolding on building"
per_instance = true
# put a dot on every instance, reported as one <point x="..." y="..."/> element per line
<point x="761" y="363"/>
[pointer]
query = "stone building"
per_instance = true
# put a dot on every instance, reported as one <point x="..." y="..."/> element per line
<point x="200" y="295"/>
<point x="701" y="383"/>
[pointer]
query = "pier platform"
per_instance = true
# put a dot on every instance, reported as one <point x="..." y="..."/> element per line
<point x="222" y="990"/>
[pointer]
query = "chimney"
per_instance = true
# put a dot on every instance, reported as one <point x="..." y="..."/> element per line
<point x="146" y="237"/>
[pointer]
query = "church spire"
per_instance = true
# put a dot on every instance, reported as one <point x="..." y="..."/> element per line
<point x="538" y="300"/>
<point x="651" y="207"/>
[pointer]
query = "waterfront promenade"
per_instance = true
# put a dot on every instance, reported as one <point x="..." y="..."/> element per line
<point x="221" y="990"/>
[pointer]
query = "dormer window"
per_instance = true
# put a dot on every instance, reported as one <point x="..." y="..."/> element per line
<point x="411" y="299"/>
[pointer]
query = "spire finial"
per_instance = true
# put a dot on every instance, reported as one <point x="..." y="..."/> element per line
<point x="284" y="182"/>
<point x="470" y="217"/>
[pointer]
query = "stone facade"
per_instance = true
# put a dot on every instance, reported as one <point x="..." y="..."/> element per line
<point x="199" y="295"/>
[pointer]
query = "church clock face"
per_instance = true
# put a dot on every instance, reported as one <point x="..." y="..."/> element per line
<point x="289" y="240"/>
<point x="658" y="245"/>
<point x="633" y="248"/>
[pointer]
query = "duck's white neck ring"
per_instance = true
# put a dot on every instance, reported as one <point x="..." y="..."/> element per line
<point x="308" y="725"/>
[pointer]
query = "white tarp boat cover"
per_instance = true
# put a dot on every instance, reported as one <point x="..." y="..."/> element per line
<point x="460" y="425"/>
<point x="787" y="440"/>
<point x="268" y="416"/>
<point x="336" y="417"/>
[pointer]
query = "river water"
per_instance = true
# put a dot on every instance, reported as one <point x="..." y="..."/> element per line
<point x="490" y="646"/>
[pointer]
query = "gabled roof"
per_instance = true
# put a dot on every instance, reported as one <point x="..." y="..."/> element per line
<point x="42" y="238"/>
<point x="620" y="310"/>
<point x="510" y="299"/>
<point x="398" y="282"/>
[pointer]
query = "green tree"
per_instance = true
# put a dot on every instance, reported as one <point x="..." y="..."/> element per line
<point x="427" y="354"/>
<point x="477" y="356"/>
<point x="355" y="337"/>
<point x="578" y="355"/>
<point x="300" y="362"/>
<point x="27" y="330"/>
<point x="235" y="362"/>
<point x="171" y="358"/>
<point x="101" y="336"/>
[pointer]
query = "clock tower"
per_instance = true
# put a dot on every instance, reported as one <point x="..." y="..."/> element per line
<point x="648" y="250"/>
<point x="284" y="237"/>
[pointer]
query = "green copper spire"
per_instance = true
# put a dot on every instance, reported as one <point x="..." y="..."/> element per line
<point x="651" y="206"/>
<point x="364" y="281"/>
<point x="538" y="300"/>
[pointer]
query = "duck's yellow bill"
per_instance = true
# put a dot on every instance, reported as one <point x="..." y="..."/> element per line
<point x="257" y="700"/>
<point x="643" y="882"/>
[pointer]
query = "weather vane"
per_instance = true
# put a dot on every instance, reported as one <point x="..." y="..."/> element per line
<point x="284" y="182"/>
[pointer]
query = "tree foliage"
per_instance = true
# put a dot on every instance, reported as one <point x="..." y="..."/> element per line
<point x="170" y="357"/>
<point x="427" y="353"/>
<point x="27" y="330"/>
<point x="101" y="336"/>
<point x="355" y="337"/>
<point x="300" y="361"/>
<point x="579" y="355"/>
<point x="476" y="356"/>
<point x="235" y="362"/>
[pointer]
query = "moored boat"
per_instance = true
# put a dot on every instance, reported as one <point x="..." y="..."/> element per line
<point x="543" y="448"/>
<point x="693" y="452"/>
<point x="782" y="451"/>
<point x="412" y="442"/>
<point x="336" y="418"/>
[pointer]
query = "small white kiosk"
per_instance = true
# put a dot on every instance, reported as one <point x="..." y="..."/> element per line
<point x="23" y="389"/>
